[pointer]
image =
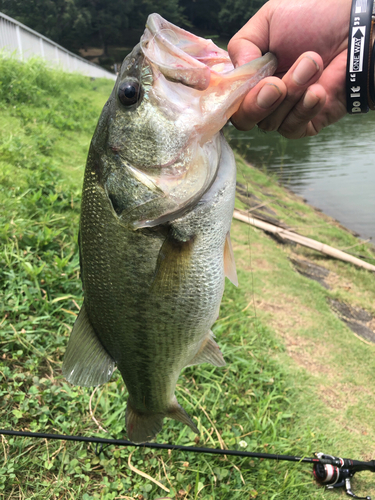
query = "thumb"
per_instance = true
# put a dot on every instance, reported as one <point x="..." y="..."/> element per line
<point x="242" y="51"/>
<point x="252" y="39"/>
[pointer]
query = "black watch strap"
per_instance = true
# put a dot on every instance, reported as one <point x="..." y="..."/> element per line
<point x="358" y="63"/>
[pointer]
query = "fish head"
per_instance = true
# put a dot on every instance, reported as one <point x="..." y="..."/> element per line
<point x="174" y="93"/>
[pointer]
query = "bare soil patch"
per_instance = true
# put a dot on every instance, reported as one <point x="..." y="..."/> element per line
<point x="311" y="270"/>
<point x="361" y="322"/>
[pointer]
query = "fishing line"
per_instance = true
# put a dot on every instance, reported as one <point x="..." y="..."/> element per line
<point x="248" y="210"/>
<point x="251" y="257"/>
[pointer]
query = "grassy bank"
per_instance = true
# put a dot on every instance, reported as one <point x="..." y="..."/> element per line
<point x="297" y="379"/>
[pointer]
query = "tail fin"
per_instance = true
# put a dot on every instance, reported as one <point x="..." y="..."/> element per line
<point x="143" y="427"/>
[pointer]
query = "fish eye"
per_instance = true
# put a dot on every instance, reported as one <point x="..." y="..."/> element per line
<point x="129" y="93"/>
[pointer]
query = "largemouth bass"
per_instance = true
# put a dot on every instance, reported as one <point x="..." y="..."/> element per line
<point x="157" y="205"/>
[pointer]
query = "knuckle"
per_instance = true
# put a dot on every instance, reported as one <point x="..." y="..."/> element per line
<point x="295" y="125"/>
<point x="243" y="127"/>
<point x="231" y="44"/>
<point x="300" y="115"/>
<point x="296" y="131"/>
<point x="268" y="125"/>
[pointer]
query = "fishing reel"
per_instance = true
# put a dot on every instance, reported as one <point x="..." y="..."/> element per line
<point x="333" y="472"/>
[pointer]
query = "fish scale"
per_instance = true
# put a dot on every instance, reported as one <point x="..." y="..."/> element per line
<point x="157" y="205"/>
<point x="155" y="320"/>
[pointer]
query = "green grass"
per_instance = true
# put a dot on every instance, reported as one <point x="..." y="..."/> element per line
<point x="284" y="348"/>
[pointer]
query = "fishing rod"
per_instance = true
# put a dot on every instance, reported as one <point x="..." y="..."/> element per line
<point x="331" y="472"/>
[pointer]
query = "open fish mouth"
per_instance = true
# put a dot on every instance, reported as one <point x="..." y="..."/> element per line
<point x="191" y="60"/>
<point x="181" y="56"/>
<point x="207" y="75"/>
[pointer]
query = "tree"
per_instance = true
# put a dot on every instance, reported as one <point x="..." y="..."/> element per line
<point x="64" y="21"/>
<point x="169" y="9"/>
<point x="76" y="23"/>
<point x="109" y="19"/>
<point x="235" y="13"/>
<point x="203" y="14"/>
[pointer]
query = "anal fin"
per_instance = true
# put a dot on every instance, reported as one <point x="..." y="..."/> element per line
<point x="86" y="362"/>
<point x="229" y="263"/>
<point x="209" y="352"/>
<point x="178" y="413"/>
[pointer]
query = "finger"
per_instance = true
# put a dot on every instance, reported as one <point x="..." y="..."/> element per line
<point x="262" y="100"/>
<point x="333" y="83"/>
<point x="298" y="122"/>
<point x="304" y="72"/>
<point x="242" y="51"/>
<point x="251" y="40"/>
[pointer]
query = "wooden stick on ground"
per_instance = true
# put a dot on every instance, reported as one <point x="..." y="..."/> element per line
<point x="302" y="240"/>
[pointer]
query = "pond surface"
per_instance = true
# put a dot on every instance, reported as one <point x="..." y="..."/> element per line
<point x="334" y="171"/>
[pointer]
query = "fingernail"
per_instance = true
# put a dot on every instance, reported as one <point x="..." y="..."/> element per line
<point x="268" y="95"/>
<point x="305" y="70"/>
<point x="310" y="100"/>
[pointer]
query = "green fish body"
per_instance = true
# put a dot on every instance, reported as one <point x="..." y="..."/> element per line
<point x="157" y="204"/>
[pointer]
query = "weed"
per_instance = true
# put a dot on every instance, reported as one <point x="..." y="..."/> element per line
<point x="261" y="398"/>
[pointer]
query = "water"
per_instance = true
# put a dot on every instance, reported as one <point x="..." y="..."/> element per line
<point x="334" y="171"/>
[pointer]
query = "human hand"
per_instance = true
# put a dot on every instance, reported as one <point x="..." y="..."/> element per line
<point x="307" y="93"/>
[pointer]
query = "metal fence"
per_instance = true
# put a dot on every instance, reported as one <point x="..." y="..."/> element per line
<point x="23" y="42"/>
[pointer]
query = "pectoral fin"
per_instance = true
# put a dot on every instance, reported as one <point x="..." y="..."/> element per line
<point x="229" y="264"/>
<point x="209" y="352"/>
<point x="86" y="362"/>
<point x="173" y="261"/>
